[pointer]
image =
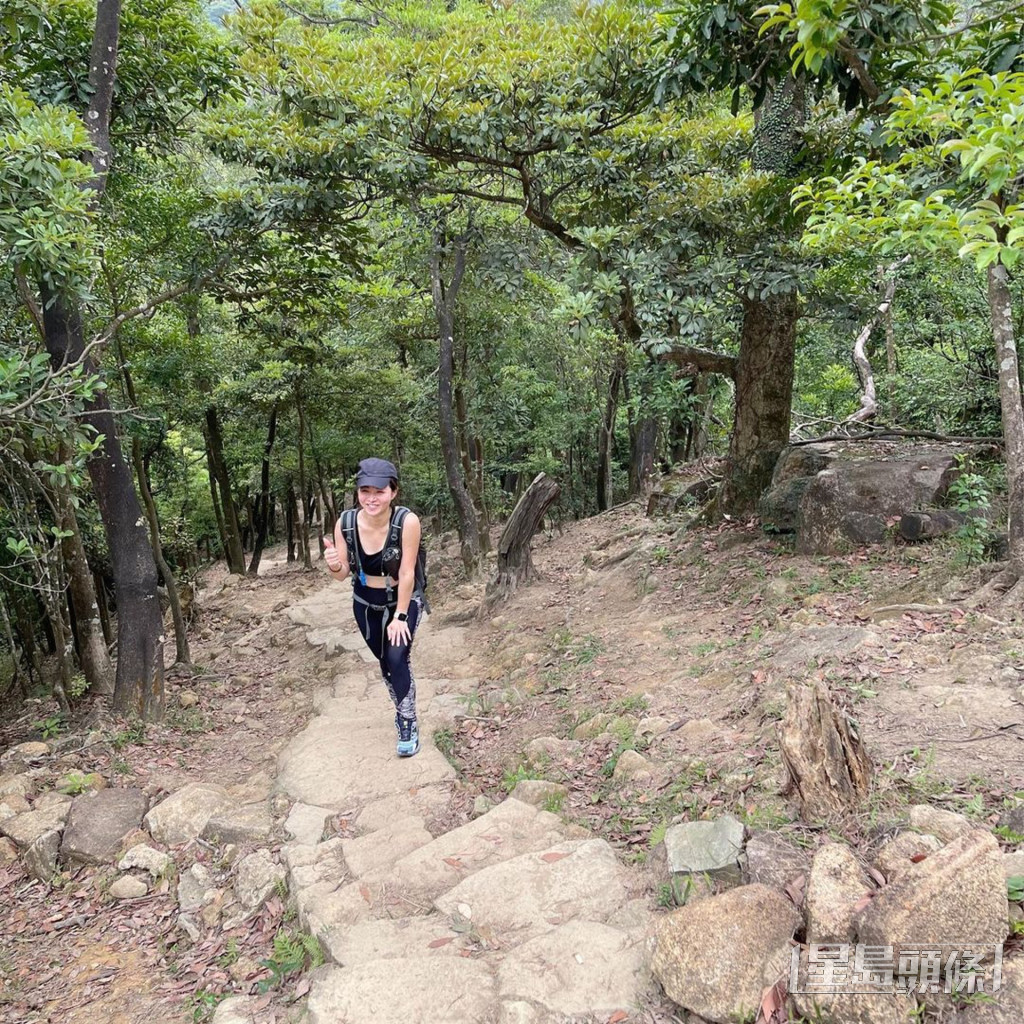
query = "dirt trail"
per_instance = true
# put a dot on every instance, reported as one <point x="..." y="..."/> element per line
<point x="686" y="644"/>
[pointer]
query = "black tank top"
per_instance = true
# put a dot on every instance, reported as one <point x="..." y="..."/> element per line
<point x="372" y="565"/>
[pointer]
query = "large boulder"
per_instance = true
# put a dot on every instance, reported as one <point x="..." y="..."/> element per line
<point x="716" y="957"/>
<point x="26" y="828"/>
<point x="771" y="860"/>
<point x="956" y="892"/>
<point x="183" y="815"/>
<point x="851" y="503"/>
<point x="794" y="471"/>
<point x="100" y="822"/>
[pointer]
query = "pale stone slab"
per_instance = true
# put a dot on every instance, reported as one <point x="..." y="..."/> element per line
<point x="324" y="906"/>
<point x="579" y="968"/>
<point x="26" y="828"/>
<point x="394" y="939"/>
<point x="128" y="887"/>
<point x="371" y="857"/>
<point x="432" y="990"/>
<point x="183" y="815"/>
<point x="423" y="801"/>
<point x="256" y="878"/>
<point x="306" y="824"/>
<point x="531" y="894"/>
<point x="145" y="857"/>
<point x="41" y="856"/>
<point x="341" y="761"/>
<point x="509" y="830"/>
<point x="314" y="863"/>
<point x="251" y="823"/>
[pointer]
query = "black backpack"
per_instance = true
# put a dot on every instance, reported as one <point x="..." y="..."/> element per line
<point x="392" y="551"/>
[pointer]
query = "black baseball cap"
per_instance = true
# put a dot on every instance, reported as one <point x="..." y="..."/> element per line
<point x="376" y="473"/>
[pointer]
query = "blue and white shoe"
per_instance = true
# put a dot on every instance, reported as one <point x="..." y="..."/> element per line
<point x="408" y="736"/>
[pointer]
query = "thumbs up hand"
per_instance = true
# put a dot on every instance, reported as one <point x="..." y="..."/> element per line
<point x="331" y="556"/>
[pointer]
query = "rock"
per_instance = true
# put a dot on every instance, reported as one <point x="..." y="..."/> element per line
<point x="654" y="726"/>
<point x="717" y="956"/>
<point x="237" y="1010"/>
<point x="631" y="766"/>
<point x="255" y="879"/>
<point x="592" y="727"/>
<point x="794" y="472"/>
<point x="14" y="804"/>
<point x="8" y="851"/>
<point x="16" y="785"/>
<point x="1004" y="1006"/>
<point x="128" y="887"/>
<point x="546" y="795"/>
<point x="579" y="968"/>
<point x="251" y="823"/>
<point x="1011" y="819"/>
<point x="21" y="756"/>
<point x="255" y="788"/>
<point x="145" y="857"/>
<point x="306" y="824"/>
<point x="195" y="888"/>
<point x="482" y="804"/>
<point x="41" y="856"/>
<point x="699" y="732"/>
<point x="1013" y="864"/>
<point x="51" y="800"/>
<point x="465" y="988"/>
<point x="895" y="856"/>
<point x="959" y="890"/>
<point x="772" y="861"/>
<point x="26" y="828"/>
<point x="183" y="815"/>
<point x="944" y="825"/>
<point x="100" y="822"/>
<point x="928" y="525"/>
<point x="189" y="927"/>
<point x="848" y="1007"/>
<point x="706" y="847"/>
<point x="835" y="884"/>
<point x="847" y="504"/>
<point x="188" y="698"/>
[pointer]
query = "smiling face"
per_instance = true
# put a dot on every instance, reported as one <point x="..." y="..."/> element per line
<point x="376" y="499"/>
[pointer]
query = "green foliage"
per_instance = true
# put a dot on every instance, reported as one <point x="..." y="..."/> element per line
<point x="293" y="952"/>
<point x="970" y="493"/>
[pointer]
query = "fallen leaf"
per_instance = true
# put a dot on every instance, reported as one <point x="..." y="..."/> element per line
<point x="550" y="858"/>
<point x="364" y="891"/>
<point x="617" y="1016"/>
<point x="438" y="943"/>
<point x="453" y="862"/>
<point x="918" y="857"/>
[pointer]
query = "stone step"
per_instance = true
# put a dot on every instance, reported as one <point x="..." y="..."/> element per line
<point x="526" y="896"/>
<point x="580" y="968"/>
<point x="346" y="758"/>
<point x="371" y="857"/>
<point x="428" y="990"/>
<point x="388" y="939"/>
<point x="509" y="830"/>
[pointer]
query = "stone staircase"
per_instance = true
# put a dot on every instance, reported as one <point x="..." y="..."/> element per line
<point x="512" y="918"/>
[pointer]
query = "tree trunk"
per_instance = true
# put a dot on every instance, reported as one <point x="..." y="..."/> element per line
<point x="215" y="501"/>
<point x="644" y="444"/>
<point x="17" y="679"/>
<point x="263" y="506"/>
<point x="93" y="655"/>
<point x="764" y="392"/>
<point x="183" y="655"/>
<point x="1000" y="306"/>
<point x="139" y="682"/>
<point x="606" y="435"/>
<point x="289" y="521"/>
<point x="100" y="590"/>
<point x="765" y="367"/>
<point x="444" y="308"/>
<point x="303" y="523"/>
<point x="514" y="563"/>
<point x="215" y="453"/>
<point x="822" y="754"/>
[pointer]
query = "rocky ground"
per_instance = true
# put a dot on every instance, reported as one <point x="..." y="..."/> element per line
<point x="530" y="863"/>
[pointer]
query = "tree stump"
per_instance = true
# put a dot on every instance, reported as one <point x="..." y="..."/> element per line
<point x="514" y="563"/>
<point x="822" y="753"/>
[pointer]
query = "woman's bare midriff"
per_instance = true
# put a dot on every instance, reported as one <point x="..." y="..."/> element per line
<point x="380" y="582"/>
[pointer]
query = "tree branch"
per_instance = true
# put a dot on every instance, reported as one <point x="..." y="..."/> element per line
<point x="700" y="360"/>
<point x="28" y="300"/>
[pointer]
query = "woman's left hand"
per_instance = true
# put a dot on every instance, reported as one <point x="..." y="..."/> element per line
<point x="398" y="633"/>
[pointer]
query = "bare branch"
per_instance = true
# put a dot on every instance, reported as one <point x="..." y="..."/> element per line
<point x="28" y="300"/>
<point x="701" y="360"/>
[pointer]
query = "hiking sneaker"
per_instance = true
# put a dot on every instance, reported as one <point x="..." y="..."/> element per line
<point x="408" y="736"/>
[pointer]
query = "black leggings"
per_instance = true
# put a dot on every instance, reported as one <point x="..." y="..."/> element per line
<point x="395" y="665"/>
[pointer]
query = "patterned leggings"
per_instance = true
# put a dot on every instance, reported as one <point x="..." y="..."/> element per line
<point x="395" y="664"/>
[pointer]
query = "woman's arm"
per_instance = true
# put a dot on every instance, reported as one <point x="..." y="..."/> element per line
<point x="336" y="554"/>
<point x="398" y="631"/>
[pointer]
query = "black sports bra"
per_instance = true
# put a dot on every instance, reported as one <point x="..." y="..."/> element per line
<point x="372" y="565"/>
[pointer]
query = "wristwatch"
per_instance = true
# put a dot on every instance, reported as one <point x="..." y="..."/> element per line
<point x="402" y="617"/>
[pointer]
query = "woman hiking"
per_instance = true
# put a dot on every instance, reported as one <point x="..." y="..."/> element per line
<point x="378" y="544"/>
